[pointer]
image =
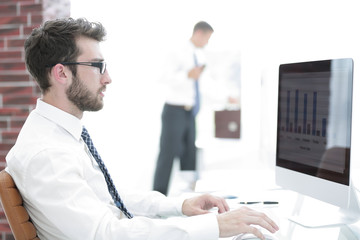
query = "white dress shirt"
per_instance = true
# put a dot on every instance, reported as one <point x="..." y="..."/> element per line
<point x="66" y="194"/>
<point x="180" y="88"/>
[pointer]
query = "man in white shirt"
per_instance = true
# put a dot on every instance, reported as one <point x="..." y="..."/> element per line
<point x="182" y="71"/>
<point x="63" y="188"/>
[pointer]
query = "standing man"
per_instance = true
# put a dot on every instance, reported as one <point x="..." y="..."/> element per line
<point x="182" y="104"/>
<point x="65" y="185"/>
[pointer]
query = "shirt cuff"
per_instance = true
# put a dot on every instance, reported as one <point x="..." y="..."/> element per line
<point x="171" y="206"/>
<point x="201" y="227"/>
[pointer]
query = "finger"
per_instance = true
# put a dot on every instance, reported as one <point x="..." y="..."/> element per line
<point x="218" y="202"/>
<point x="269" y="221"/>
<point x="259" y="218"/>
<point x="223" y="206"/>
<point x="270" y="225"/>
<point x="255" y="231"/>
<point x="227" y="208"/>
<point x="263" y="221"/>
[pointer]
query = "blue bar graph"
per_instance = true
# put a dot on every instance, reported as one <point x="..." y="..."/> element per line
<point x="298" y="100"/>
<point x="296" y="114"/>
<point x="314" y="114"/>
<point x="323" y="130"/>
<point x="305" y="113"/>
<point x="288" y="111"/>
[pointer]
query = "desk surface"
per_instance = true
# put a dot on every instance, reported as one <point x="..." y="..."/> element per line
<point x="259" y="185"/>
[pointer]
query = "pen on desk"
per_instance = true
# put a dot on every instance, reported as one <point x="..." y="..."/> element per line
<point x="265" y="202"/>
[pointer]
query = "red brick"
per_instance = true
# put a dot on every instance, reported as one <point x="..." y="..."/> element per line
<point x="6" y="146"/>
<point x="6" y="232"/>
<point x="11" y="43"/>
<point x="19" y="99"/>
<point x="9" y="31"/>
<point x="10" y="54"/>
<point x="16" y="90"/>
<point x="2" y="157"/>
<point x="7" y="9"/>
<point x="13" y="20"/>
<point x="6" y="111"/>
<point x="10" y="135"/>
<point x="17" y="123"/>
<point x="30" y="7"/>
<point x="4" y="227"/>
<point x="2" y="43"/>
<point x="12" y="66"/>
<point x="14" y="77"/>
<point x="3" y="124"/>
<point x="15" y="1"/>
<point x="36" y="19"/>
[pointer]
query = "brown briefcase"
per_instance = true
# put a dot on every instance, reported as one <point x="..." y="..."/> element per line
<point x="227" y="124"/>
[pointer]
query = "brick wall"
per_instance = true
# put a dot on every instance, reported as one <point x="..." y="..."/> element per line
<point x="18" y="91"/>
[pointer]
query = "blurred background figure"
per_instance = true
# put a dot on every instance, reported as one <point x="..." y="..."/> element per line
<point x="181" y="74"/>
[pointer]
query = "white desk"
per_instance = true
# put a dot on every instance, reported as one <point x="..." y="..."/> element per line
<point x="259" y="185"/>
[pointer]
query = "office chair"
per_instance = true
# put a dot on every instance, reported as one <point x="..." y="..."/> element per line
<point x="16" y="214"/>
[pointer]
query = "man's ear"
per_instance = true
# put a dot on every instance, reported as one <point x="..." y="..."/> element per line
<point x="61" y="74"/>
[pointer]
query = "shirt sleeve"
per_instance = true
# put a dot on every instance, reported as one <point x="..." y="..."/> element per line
<point x="177" y="66"/>
<point x="63" y="206"/>
<point x="153" y="204"/>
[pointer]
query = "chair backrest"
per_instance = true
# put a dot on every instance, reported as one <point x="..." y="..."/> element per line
<point x="16" y="214"/>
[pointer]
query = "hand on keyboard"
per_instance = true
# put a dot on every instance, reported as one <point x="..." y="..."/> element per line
<point x="244" y="220"/>
<point x="250" y="236"/>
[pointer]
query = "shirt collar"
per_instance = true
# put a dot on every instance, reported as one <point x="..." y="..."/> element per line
<point x="65" y="120"/>
<point x="192" y="45"/>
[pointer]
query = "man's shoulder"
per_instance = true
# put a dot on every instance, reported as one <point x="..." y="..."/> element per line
<point x="38" y="135"/>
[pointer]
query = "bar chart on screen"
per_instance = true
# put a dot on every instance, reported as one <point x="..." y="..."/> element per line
<point x="304" y="116"/>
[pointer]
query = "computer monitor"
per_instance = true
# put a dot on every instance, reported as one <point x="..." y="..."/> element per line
<point x="313" y="152"/>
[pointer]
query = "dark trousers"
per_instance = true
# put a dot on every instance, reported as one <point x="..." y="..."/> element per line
<point x="177" y="140"/>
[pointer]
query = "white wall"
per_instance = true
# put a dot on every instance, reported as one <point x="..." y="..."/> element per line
<point x="126" y="131"/>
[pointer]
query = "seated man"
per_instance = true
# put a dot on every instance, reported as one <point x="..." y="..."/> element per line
<point x="65" y="185"/>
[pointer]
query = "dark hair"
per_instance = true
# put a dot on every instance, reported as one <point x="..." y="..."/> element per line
<point x="54" y="42"/>
<point x="204" y="26"/>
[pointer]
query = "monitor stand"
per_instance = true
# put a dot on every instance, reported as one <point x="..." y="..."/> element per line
<point x="312" y="213"/>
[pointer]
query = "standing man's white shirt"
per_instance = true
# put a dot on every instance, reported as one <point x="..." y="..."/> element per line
<point x="66" y="194"/>
<point x="180" y="88"/>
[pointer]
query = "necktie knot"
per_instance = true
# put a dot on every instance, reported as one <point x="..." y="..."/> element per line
<point x="111" y="187"/>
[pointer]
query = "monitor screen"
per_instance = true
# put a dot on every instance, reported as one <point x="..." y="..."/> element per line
<point x="314" y="118"/>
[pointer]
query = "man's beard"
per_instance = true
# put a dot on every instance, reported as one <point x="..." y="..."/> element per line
<point x="81" y="97"/>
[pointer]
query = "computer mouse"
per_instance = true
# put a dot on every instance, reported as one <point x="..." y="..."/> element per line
<point x="250" y="236"/>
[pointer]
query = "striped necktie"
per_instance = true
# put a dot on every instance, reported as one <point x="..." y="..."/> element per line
<point x="111" y="187"/>
<point x="196" y="107"/>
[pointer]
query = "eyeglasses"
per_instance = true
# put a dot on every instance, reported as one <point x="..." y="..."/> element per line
<point x="100" y="65"/>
